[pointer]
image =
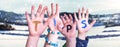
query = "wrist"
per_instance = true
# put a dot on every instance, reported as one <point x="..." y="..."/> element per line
<point x="30" y="36"/>
<point x="35" y="36"/>
<point x="51" y="41"/>
<point x="71" y="42"/>
<point x="52" y="37"/>
<point x="32" y="41"/>
<point x="70" y="39"/>
<point x="82" y="36"/>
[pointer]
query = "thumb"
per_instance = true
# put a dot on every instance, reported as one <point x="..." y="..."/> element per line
<point x="59" y="27"/>
<point x="93" y="22"/>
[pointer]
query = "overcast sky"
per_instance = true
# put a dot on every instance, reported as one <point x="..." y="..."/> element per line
<point x="94" y="6"/>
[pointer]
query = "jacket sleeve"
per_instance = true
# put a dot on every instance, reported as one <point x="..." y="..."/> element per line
<point x="81" y="43"/>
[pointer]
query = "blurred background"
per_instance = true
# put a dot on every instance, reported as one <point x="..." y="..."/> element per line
<point x="105" y="32"/>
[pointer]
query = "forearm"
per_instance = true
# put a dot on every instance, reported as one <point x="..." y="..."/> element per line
<point x="71" y="42"/>
<point x="82" y="40"/>
<point x="32" y="41"/>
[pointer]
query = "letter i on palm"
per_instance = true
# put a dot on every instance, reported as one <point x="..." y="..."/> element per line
<point x="54" y="21"/>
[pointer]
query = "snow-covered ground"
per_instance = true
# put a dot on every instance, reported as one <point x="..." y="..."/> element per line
<point x="105" y="42"/>
<point x="20" y="41"/>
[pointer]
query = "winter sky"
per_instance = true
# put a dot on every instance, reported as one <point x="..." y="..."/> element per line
<point x="94" y="6"/>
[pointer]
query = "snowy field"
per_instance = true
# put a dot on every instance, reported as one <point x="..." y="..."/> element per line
<point x="7" y="40"/>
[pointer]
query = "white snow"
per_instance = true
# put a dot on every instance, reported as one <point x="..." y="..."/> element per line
<point x="20" y="41"/>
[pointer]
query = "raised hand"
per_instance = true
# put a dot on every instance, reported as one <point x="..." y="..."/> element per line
<point x="82" y="23"/>
<point x="55" y="20"/>
<point x="35" y="23"/>
<point x="53" y="33"/>
<point x="69" y="29"/>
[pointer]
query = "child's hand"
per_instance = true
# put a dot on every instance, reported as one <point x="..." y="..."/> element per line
<point x="35" y="22"/>
<point x="69" y="29"/>
<point x="82" y="23"/>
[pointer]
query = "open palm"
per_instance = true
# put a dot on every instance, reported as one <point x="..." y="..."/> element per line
<point x="82" y="22"/>
<point x="55" y="20"/>
<point x="68" y="21"/>
<point x="35" y="23"/>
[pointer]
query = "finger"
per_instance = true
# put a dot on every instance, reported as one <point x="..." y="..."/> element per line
<point x="27" y="16"/>
<point x="76" y="19"/>
<point x="52" y="8"/>
<point x="74" y="23"/>
<point x="93" y="22"/>
<point x="61" y="29"/>
<point x="48" y="12"/>
<point x="63" y="19"/>
<point x="46" y="24"/>
<point x="48" y="20"/>
<point x="66" y="17"/>
<point x="79" y="14"/>
<point x="83" y="16"/>
<point x="70" y="17"/>
<point x="39" y="10"/>
<point x="32" y="12"/>
<point x="43" y="12"/>
<point x="87" y="14"/>
<point x="57" y="10"/>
